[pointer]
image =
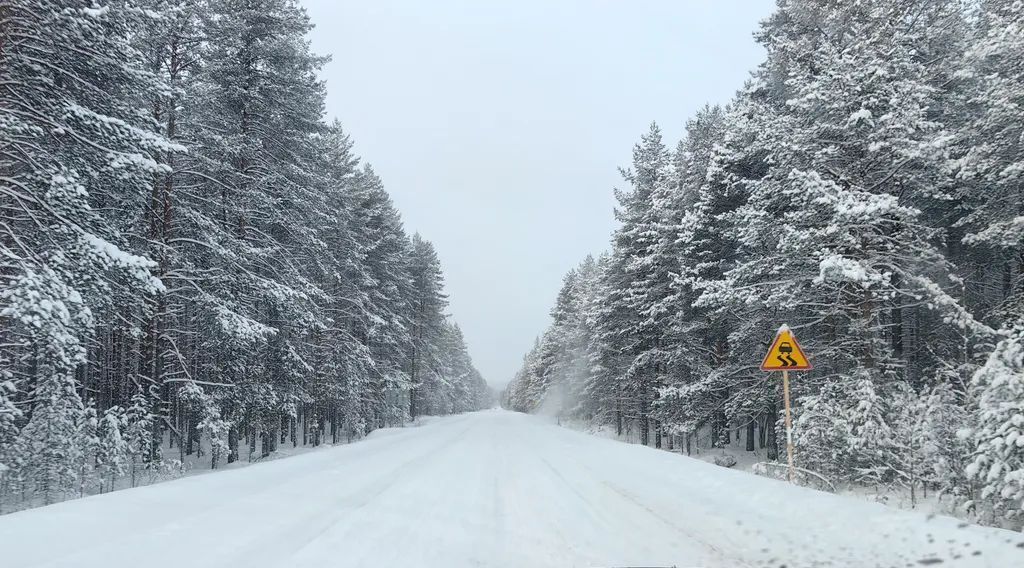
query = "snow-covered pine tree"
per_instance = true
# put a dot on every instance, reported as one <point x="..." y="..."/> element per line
<point x="998" y="433"/>
<point x="833" y="194"/>
<point x="112" y="451"/>
<point x="50" y="438"/>
<point x="522" y="385"/>
<point x="75" y="148"/>
<point x="185" y="237"/>
<point x="571" y="365"/>
<point x="603" y="388"/>
<point x="587" y="394"/>
<point x="642" y="279"/>
<point x="991" y="160"/>
<point x="986" y="227"/>
<point x="464" y="379"/>
<point x="162" y="223"/>
<point x="701" y="350"/>
<point x="387" y="292"/>
<point x="88" y="443"/>
<point x="558" y="348"/>
<point x="10" y="456"/>
<point x="263" y="103"/>
<point x="427" y="324"/>
<point x="138" y="436"/>
<point x="825" y="239"/>
<point x="210" y="424"/>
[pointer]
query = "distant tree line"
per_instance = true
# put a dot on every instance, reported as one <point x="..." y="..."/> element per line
<point x="866" y="186"/>
<point x="191" y="258"/>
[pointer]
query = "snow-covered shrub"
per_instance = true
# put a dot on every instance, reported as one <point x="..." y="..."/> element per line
<point x="724" y="460"/>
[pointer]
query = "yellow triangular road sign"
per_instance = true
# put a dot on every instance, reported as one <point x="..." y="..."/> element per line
<point x="785" y="354"/>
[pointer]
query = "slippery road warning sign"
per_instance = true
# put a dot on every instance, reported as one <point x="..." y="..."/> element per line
<point x="785" y="354"/>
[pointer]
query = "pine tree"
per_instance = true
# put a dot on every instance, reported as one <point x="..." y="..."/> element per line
<point x="992" y="160"/>
<point x="88" y="445"/>
<point x="824" y="235"/>
<point x="74" y="151"/>
<point x="9" y="415"/>
<point x="187" y="239"/>
<point x="862" y="187"/>
<point x="112" y="450"/>
<point x="427" y="324"/>
<point x="138" y="437"/>
<point x="698" y="233"/>
<point x="386" y="287"/>
<point x="50" y="438"/>
<point x="998" y="435"/>
<point x="642" y="280"/>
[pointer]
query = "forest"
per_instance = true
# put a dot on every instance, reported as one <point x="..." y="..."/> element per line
<point x="193" y="261"/>
<point x="865" y="187"/>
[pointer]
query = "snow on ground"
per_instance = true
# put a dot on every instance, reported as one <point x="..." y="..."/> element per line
<point x="931" y="502"/>
<point x="174" y="466"/>
<point x="177" y="465"/>
<point x="491" y="488"/>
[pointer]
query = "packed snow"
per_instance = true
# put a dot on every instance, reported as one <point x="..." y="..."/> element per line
<point x="492" y="488"/>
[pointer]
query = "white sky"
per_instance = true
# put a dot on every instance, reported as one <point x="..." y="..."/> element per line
<point x="498" y="127"/>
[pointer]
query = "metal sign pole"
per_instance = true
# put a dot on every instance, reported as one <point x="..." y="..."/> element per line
<point x="789" y="423"/>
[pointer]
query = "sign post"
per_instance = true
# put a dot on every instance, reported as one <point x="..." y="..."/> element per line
<point x="786" y="355"/>
<point x="789" y="423"/>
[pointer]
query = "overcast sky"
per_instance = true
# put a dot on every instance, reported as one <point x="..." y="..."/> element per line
<point x="498" y="127"/>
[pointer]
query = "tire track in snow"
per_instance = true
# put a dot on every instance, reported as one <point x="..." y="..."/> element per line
<point x="304" y="531"/>
<point x="634" y="501"/>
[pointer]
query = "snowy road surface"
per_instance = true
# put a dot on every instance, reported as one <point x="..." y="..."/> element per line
<point x="491" y="488"/>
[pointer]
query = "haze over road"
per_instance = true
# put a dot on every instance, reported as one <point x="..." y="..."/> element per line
<point x="492" y="488"/>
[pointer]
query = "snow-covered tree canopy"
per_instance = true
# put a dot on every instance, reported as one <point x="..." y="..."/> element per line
<point x="191" y="258"/>
<point x="865" y="187"/>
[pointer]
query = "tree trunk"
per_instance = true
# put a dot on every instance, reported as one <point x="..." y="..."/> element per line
<point x="413" y="374"/>
<point x="750" y="435"/>
<point x="181" y="450"/>
<point x="232" y="444"/>
<point x="1007" y="280"/>
<point x="252" y="442"/>
<point x="214" y="456"/>
<point x="657" y="434"/>
<point x="643" y="408"/>
<point x="191" y="434"/>
<point x="773" y="447"/>
<point x="305" y="426"/>
<point x="334" y="424"/>
<point x="897" y="320"/>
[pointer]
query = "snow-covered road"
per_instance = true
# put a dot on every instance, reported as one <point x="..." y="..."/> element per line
<point x="491" y="488"/>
